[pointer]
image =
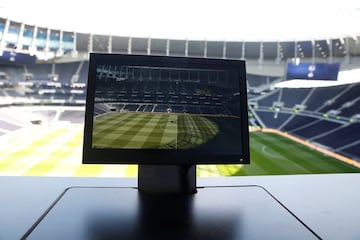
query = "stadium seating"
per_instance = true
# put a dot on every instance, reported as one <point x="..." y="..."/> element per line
<point x="272" y="119"/>
<point x="325" y="118"/>
<point x="72" y="116"/>
<point x="293" y="96"/>
<point x="352" y="151"/>
<point x="315" y="128"/>
<point x="321" y="95"/>
<point x="40" y="71"/>
<point x="351" y="109"/>
<point x="8" y="125"/>
<point x="66" y="71"/>
<point x="268" y="99"/>
<point x="314" y="122"/>
<point x="298" y="121"/>
<point x="348" y="94"/>
<point x="14" y="73"/>
<point x="340" y="136"/>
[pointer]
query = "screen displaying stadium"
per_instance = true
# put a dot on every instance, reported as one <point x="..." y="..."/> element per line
<point x="169" y="105"/>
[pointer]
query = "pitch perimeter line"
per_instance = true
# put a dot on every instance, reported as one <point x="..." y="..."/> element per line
<point x="172" y="113"/>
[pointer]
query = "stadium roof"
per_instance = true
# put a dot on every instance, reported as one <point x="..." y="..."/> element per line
<point x="255" y="20"/>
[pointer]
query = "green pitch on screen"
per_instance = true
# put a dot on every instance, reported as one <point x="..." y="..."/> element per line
<point x="157" y="131"/>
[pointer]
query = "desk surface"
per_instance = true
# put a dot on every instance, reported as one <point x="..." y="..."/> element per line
<point x="328" y="203"/>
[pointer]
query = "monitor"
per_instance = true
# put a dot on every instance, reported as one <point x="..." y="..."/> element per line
<point x="313" y="71"/>
<point x="165" y="110"/>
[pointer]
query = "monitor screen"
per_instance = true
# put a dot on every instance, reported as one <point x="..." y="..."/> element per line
<point x="165" y="110"/>
<point x="313" y="71"/>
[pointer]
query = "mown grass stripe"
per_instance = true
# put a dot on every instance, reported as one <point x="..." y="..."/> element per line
<point x="280" y="156"/>
<point x="131" y="171"/>
<point x="65" y="157"/>
<point x="252" y="169"/>
<point x="156" y="133"/>
<point x="137" y="124"/>
<point x="284" y="147"/>
<point x="49" y="163"/>
<point x="33" y="148"/>
<point x="319" y="162"/>
<point x="88" y="170"/>
<point x="229" y="170"/>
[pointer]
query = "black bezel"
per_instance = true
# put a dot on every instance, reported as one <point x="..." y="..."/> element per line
<point x="157" y="156"/>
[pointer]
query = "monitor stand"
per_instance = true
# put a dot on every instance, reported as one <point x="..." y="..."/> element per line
<point x="165" y="206"/>
<point x="167" y="179"/>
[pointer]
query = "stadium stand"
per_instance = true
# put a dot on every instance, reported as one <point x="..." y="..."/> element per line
<point x="269" y="99"/>
<point x="66" y="71"/>
<point x="12" y="119"/>
<point x="8" y="126"/>
<point x="340" y="136"/>
<point x="272" y="119"/>
<point x="291" y="97"/>
<point x="352" y="151"/>
<point x="255" y="81"/>
<point x="351" y="108"/>
<point x="325" y="118"/>
<point x="13" y="73"/>
<point x="298" y="120"/>
<point x="72" y="116"/>
<point x="83" y="72"/>
<point x="315" y="128"/>
<point x="321" y="114"/>
<point x="349" y="93"/>
<point x="13" y="93"/>
<point x="48" y="116"/>
<point x="321" y="95"/>
<point x="40" y="71"/>
<point x="100" y="108"/>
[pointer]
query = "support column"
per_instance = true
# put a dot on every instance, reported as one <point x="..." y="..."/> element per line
<point x="313" y="52"/>
<point x="224" y="50"/>
<point x="129" y="50"/>
<point x="347" y="50"/>
<point x="47" y="41"/>
<point x="109" y="47"/>
<point x="261" y="54"/>
<point x="6" y="30"/>
<point x="243" y="50"/>
<point x="168" y="47"/>
<point x="205" y="48"/>
<point x="33" y="42"/>
<point x="19" y="45"/>
<point x="74" y="42"/>
<point x="148" y="49"/>
<point x="278" y="51"/>
<point x="61" y="41"/>
<point x="90" y="45"/>
<point x="329" y="42"/>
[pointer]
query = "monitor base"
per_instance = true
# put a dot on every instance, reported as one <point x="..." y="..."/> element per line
<point x="240" y="212"/>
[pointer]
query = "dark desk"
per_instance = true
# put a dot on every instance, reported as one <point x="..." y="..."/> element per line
<point x="326" y="203"/>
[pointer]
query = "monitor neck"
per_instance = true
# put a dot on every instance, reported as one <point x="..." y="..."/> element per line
<point x="167" y="179"/>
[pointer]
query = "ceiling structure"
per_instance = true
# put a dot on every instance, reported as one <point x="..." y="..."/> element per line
<point x="230" y="20"/>
<point x="265" y="33"/>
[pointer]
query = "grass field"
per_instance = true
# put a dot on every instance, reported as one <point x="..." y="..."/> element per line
<point x="57" y="151"/>
<point x="156" y="131"/>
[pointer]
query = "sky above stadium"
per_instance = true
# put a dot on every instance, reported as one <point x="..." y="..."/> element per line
<point x="193" y="19"/>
